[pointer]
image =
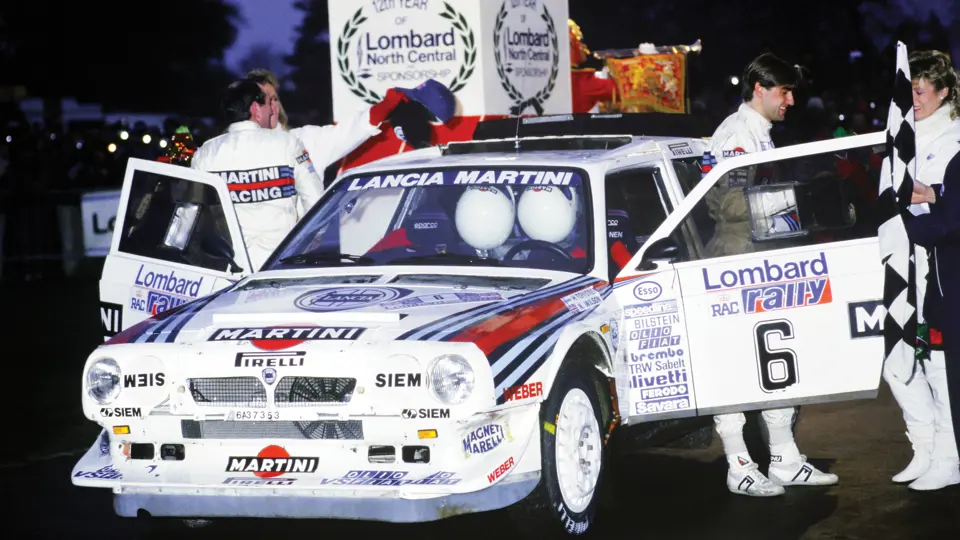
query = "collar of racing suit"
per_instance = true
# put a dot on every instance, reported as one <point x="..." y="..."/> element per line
<point x="245" y="125"/>
<point x="754" y="118"/>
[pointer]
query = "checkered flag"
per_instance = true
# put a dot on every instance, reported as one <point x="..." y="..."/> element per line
<point x="896" y="250"/>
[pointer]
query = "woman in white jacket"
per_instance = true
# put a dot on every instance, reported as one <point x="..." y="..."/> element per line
<point x="921" y="388"/>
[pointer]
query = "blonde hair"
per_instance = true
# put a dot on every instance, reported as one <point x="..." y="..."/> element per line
<point x="936" y="68"/>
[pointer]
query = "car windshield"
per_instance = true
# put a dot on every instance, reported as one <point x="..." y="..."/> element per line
<point x="522" y="217"/>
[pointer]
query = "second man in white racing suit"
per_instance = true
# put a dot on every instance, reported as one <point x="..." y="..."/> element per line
<point x="328" y="144"/>
<point x="269" y="174"/>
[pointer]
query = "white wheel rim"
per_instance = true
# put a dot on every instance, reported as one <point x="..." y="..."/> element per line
<point x="578" y="450"/>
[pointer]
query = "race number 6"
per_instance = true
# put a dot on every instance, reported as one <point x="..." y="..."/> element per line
<point x="778" y="367"/>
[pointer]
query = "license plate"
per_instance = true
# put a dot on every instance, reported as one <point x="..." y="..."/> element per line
<point x="252" y="415"/>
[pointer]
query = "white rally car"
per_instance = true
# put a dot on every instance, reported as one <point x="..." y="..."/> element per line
<point x="450" y="330"/>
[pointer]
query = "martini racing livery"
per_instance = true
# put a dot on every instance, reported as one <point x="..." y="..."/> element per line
<point x="462" y="328"/>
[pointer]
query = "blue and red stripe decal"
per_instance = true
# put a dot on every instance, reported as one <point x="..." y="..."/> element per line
<point x="518" y="335"/>
<point x="164" y="327"/>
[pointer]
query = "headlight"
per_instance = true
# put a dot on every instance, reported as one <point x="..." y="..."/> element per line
<point x="451" y="378"/>
<point x="103" y="380"/>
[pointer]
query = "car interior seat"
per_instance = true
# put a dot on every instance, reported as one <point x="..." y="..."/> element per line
<point x="619" y="230"/>
<point x="430" y="230"/>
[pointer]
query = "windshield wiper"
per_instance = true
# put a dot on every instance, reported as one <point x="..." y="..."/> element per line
<point x="324" y="256"/>
<point x="446" y="257"/>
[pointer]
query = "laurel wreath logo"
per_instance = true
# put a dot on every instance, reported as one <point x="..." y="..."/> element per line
<point x="352" y="26"/>
<point x="520" y="102"/>
<point x="469" y="46"/>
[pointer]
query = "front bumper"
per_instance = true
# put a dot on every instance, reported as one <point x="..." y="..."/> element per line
<point x="339" y="481"/>
<point x="384" y="506"/>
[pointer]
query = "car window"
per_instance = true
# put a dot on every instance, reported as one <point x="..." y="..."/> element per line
<point x="523" y="217"/>
<point x="688" y="172"/>
<point x="176" y="220"/>
<point x="813" y="199"/>
<point x="636" y="206"/>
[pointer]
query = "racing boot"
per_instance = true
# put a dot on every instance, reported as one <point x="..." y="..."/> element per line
<point x="797" y="472"/>
<point x="942" y="473"/>
<point x="922" y="446"/>
<point x="944" y="464"/>
<point x="744" y="478"/>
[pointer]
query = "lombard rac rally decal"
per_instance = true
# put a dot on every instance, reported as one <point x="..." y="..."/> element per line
<point x="769" y="286"/>
<point x="466" y="178"/>
<point x="442" y="300"/>
<point x="344" y="298"/>
<point x="155" y="292"/>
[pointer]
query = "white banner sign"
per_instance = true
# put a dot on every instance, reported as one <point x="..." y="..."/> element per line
<point x="499" y="57"/>
<point x="98" y="210"/>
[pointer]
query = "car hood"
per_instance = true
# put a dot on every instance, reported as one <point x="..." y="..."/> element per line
<point x="275" y="313"/>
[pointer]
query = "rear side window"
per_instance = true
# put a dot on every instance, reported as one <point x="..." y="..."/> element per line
<point x="688" y="172"/>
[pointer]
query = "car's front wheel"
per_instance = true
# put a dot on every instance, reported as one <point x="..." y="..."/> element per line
<point x="573" y="457"/>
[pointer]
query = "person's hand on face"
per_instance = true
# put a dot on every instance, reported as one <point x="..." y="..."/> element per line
<point x="273" y="104"/>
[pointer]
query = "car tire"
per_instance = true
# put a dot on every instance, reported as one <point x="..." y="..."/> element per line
<point x="565" y="501"/>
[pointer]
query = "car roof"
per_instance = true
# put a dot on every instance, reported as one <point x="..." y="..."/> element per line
<point x="578" y="150"/>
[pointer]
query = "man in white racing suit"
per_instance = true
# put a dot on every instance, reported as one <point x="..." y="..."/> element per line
<point x="767" y="91"/>
<point x="269" y="174"/>
<point x="328" y="144"/>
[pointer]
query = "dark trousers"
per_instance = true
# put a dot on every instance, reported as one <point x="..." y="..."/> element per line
<point x="951" y="353"/>
<point x="952" y="361"/>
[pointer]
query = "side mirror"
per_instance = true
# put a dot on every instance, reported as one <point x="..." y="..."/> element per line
<point x="662" y="249"/>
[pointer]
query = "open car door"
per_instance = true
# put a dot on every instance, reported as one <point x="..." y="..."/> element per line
<point x="782" y="308"/>
<point x="176" y="239"/>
